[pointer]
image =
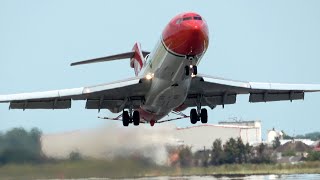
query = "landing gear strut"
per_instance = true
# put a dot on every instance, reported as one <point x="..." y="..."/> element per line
<point x="191" y="69"/>
<point x="199" y="114"/>
<point x="195" y="70"/>
<point x="187" y="70"/>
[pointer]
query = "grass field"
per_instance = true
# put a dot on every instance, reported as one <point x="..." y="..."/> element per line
<point x="129" y="168"/>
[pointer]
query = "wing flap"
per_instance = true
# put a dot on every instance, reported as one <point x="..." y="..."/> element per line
<point x="48" y="104"/>
<point x="211" y="100"/>
<point x="265" y="97"/>
<point x="113" y="105"/>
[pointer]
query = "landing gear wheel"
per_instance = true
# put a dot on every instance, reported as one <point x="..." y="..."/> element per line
<point x="125" y="118"/>
<point x="193" y="116"/>
<point x="204" y="115"/>
<point x="136" y="118"/>
<point x="195" y="70"/>
<point x="187" y="70"/>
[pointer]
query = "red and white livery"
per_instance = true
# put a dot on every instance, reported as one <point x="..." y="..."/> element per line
<point x="166" y="80"/>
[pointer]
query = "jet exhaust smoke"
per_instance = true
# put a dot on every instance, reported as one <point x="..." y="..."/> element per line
<point x="113" y="140"/>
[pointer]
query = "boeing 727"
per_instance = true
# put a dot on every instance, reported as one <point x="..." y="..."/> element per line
<point x="166" y="80"/>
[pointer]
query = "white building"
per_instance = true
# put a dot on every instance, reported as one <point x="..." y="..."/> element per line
<point x="272" y="134"/>
<point x="308" y="142"/>
<point x="203" y="136"/>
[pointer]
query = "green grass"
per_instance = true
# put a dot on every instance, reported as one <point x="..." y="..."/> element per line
<point x="130" y="168"/>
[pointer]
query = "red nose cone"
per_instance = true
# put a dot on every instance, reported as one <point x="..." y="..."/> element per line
<point x="186" y="34"/>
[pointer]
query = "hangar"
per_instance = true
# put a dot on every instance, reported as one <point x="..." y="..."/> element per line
<point x="203" y="136"/>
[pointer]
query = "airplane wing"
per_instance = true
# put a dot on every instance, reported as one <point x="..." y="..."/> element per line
<point x="113" y="96"/>
<point x="215" y="91"/>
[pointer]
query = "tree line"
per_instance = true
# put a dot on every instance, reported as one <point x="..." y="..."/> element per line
<point x="21" y="146"/>
<point x="234" y="151"/>
<point x="314" y="136"/>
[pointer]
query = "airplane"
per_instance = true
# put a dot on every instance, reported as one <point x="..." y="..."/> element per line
<point x="166" y="80"/>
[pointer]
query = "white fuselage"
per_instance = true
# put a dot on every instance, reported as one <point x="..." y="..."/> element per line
<point x="169" y="86"/>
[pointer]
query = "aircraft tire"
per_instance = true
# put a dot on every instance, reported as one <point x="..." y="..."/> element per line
<point x="204" y="116"/>
<point x="136" y="118"/>
<point x="193" y="116"/>
<point x="125" y="118"/>
<point x="195" y="70"/>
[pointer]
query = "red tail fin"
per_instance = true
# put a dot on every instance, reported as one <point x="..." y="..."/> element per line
<point x="137" y="60"/>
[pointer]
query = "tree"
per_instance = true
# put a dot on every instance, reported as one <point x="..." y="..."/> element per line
<point x="314" y="136"/>
<point x="276" y="143"/>
<point x="241" y="150"/>
<point x="19" y="145"/>
<point x="201" y="158"/>
<point x="217" y="154"/>
<point x="75" y="156"/>
<point x="231" y="151"/>
<point x="313" y="156"/>
<point x="185" y="156"/>
<point x="248" y="153"/>
<point x="286" y="136"/>
<point x="262" y="156"/>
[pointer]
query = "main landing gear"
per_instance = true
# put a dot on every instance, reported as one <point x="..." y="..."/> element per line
<point x="129" y="117"/>
<point x="196" y="116"/>
<point x="199" y="114"/>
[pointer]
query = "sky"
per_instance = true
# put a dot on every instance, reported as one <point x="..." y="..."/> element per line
<point x="264" y="41"/>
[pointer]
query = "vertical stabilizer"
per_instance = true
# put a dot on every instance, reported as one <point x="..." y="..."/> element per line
<point x="137" y="60"/>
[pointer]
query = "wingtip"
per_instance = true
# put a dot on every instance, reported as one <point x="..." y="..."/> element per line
<point x="73" y="64"/>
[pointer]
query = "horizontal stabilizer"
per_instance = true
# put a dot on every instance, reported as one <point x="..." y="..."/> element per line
<point x="109" y="58"/>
